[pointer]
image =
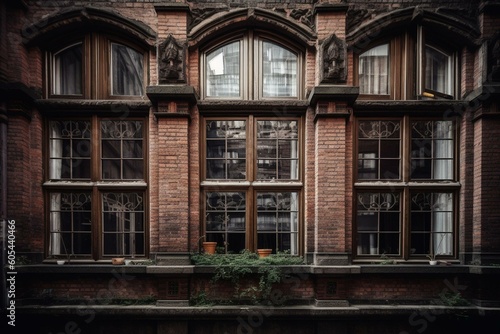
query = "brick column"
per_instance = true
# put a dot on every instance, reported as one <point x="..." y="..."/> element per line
<point x="486" y="212"/>
<point x="332" y="191"/>
<point x="169" y="169"/>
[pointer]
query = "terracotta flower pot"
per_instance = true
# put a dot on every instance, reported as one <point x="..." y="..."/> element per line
<point x="118" y="260"/>
<point x="264" y="252"/>
<point x="209" y="247"/>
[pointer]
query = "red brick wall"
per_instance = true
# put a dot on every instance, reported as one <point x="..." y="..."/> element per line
<point x="330" y="176"/>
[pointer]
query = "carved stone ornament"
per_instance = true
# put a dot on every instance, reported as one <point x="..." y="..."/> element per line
<point x="171" y="61"/>
<point x="334" y="53"/>
<point x="494" y="58"/>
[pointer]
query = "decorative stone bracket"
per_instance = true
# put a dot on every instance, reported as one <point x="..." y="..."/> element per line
<point x="172" y="100"/>
<point x="333" y="100"/>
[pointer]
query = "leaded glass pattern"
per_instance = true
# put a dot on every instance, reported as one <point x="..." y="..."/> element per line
<point x="226" y="150"/>
<point x="69" y="150"/>
<point x="226" y="220"/>
<point x="122" y="150"/>
<point x="277" y="150"/>
<point x="70" y="224"/>
<point x="378" y="223"/>
<point x="431" y="223"/>
<point x="277" y="221"/>
<point x="123" y="223"/>
<point x="379" y="150"/>
<point x="432" y="150"/>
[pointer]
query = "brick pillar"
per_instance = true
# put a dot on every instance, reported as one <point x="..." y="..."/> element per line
<point x="332" y="173"/>
<point x="486" y="212"/>
<point x="330" y="190"/>
<point x="170" y="173"/>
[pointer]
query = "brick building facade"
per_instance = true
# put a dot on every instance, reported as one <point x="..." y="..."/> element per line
<point x="359" y="136"/>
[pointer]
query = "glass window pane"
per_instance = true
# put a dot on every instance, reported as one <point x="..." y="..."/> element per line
<point x="67" y="67"/>
<point x="226" y="150"/>
<point x="127" y="70"/>
<point x="432" y="150"/>
<point x="69" y="150"/>
<point x="70" y="213"/>
<point x="438" y="71"/>
<point x="279" y="71"/>
<point x="432" y="223"/>
<point x="277" y="221"/>
<point x="123" y="227"/>
<point x="226" y="219"/>
<point x="277" y="146"/>
<point x="374" y="71"/>
<point x="122" y="150"/>
<point x="223" y="71"/>
<point x="379" y="156"/>
<point x="378" y="223"/>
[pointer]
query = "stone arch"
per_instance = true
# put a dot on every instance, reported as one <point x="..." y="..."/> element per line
<point x="224" y="22"/>
<point x="83" y="19"/>
<point x="454" y="29"/>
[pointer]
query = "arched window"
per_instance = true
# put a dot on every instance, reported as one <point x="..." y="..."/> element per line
<point x="251" y="67"/>
<point x="96" y="66"/>
<point x="96" y="174"/>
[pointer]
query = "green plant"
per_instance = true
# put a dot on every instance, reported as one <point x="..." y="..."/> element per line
<point x="450" y="298"/>
<point x="235" y="267"/>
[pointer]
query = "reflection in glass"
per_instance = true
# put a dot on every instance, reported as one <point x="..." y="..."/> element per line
<point x="431" y="223"/>
<point x="69" y="150"/>
<point x="379" y="150"/>
<point x="67" y="75"/>
<point x="277" y="221"/>
<point x="438" y="70"/>
<point x="223" y="71"/>
<point x="226" y="149"/>
<point x="279" y="71"/>
<point x="277" y="150"/>
<point x="127" y="70"/>
<point x="374" y="71"/>
<point x="122" y="150"/>
<point x="123" y="223"/>
<point x="70" y="224"/>
<point x="378" y="223"/>
<point x="226" y="220"/>
<point x="432" y="146"/>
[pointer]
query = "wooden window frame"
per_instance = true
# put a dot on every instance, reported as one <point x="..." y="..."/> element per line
<point x="96" y="67"/>
<point x="407" y="65"/>
<point x="251" y="65"/>
<point x="251" y="186"/>
<point x="405" y="186"/>
<point x="96" y="185"/>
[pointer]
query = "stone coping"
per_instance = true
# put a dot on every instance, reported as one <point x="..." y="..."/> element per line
<point x="212" y="311"/>
<point x="298" y="269"/>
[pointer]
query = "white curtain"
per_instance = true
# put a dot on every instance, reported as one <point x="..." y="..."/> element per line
<point x="442" y="237"/>
<point x="67" y="72"/>
<point x="443" y="150"/>
<point x="374" y="70"/>
<point x="55" y="148"/>
<point x="294" y="209"/>
<point x="127" y="71"/>
<point x="55" y="224"/>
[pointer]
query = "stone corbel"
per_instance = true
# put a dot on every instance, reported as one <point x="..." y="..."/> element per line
<point x="172" y="100"/>
<point x="333" y="100"/>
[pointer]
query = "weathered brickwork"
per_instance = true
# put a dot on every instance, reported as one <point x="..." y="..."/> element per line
<point x="328" y="110"/>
